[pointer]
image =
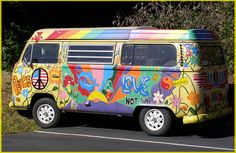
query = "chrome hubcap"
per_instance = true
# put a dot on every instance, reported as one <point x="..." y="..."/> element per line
<point x="45" y="113"/>
<point x="154" y="119"/>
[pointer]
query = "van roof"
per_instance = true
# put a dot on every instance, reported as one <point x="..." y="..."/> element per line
<point x="122" y="33"/>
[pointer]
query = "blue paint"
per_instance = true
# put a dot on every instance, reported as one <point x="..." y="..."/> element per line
<point x="86" y="81"/>
<point x="129" y="83"/>
<point x="106" y="75"/>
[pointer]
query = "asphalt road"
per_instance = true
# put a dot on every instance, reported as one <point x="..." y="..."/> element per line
<point x="84" y="132"/>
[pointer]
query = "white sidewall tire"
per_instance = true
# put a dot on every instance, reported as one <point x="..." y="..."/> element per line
<point x="46" y="113"/>
<point x="155" y="121"/>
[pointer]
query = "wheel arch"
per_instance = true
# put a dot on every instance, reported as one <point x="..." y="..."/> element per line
<point x="38" y="96"/>
<point x="138" y="109"/>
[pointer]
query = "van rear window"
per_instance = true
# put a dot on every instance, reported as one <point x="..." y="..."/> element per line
<point x="149" y="55"/>
<point x="212" y="55"/>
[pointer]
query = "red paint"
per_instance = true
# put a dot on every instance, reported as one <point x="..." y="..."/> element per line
<point x="83" y="91"/>
<point x="56" y="34"/>
<point x="68" y="80"/>
<point x="38" y="36"/>
<point x="167" y="83"/>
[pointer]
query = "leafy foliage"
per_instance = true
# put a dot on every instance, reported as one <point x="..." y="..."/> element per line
<point x="14" y="39"/>
<point x="215" y="16"/>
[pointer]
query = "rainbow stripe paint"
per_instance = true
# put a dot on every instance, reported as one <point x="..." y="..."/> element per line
<point x="131" y="33"/>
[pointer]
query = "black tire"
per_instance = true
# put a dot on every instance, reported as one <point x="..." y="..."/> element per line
<point x="163" y="125"/>
<point x="48" y="118"/>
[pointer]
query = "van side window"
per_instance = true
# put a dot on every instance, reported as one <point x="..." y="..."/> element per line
<point x="41" y="53"/>
<point x="150" y="55"/>
<point x="127" y="54"/>
<point x="90" y="54"/>
<point x="45" y="53"/>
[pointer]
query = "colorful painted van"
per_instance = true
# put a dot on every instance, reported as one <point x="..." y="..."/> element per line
<point x="135" y="71"/>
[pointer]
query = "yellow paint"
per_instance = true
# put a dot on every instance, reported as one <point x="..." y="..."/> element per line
<point x="203" y="117"/>
<point x="97" y="96"/>
<point x="180" y="82"/>
<point x="79" y="34"/>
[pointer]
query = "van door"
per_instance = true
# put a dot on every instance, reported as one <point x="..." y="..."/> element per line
<point x="88" y="75"/>
<point x="41" y="63"/>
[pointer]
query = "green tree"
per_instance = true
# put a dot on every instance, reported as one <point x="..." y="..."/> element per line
<point x="215" y="16"/>
<point x="14" y="39"/>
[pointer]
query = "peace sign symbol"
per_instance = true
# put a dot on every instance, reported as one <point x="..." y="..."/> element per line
<point x="39" y="78"/>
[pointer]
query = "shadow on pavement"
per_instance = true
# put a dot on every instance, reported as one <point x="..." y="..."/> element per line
<point x="222" y="127"/>
<point x="99" y="120"/>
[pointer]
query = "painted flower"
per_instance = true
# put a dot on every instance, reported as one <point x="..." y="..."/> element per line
<point x="184" y="107"/>
<point x="158" y="98"/>
<point x="20" y="70"/>
<point x="194" y="98"/>
<point x="176" y="101"/>
<point x="25" y="83"/>
<point x="194" y="60"/>
<point x="25" y="93"/>
<point x="188" y="53"/>
<point x="68" y="80"/>
<point x="55" y="76"/>
<point x="63" y="95"/>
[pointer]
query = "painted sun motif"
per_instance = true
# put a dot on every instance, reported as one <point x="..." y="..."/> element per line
<point x="54" y="76"/>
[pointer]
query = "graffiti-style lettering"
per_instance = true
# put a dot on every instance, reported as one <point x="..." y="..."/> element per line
<point x="24" y="82"/>
<point x="129" y="83"/>
<point x="180" y="82"/>
<point x="131" y="101"/>
<point x="146" y="101"/>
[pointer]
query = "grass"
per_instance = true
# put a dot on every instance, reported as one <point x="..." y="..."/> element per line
<point x="12" y="122"/>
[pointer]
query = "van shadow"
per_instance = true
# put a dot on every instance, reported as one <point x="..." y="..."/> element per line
<point x="217" y="128"/>
<point x="99" y="121"/>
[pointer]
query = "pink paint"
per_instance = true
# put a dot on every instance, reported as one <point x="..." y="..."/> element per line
<point x="98" y="74"/>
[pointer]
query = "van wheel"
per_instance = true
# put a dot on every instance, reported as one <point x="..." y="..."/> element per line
<point x="45" y="113"/>
<point x="155" y="121"/>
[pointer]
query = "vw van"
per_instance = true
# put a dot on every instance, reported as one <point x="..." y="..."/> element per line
<point x="155" y="75"/>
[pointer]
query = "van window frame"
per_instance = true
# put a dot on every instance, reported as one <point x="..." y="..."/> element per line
<point x="176" y="51"/>
<point x="27" y="45"/>
<point x="91" y="63"/>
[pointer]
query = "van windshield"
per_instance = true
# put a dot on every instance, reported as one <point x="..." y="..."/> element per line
<point x="212" y="55"/>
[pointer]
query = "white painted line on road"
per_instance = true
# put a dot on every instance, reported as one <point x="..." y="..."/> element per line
<point x="135" y="140"/>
